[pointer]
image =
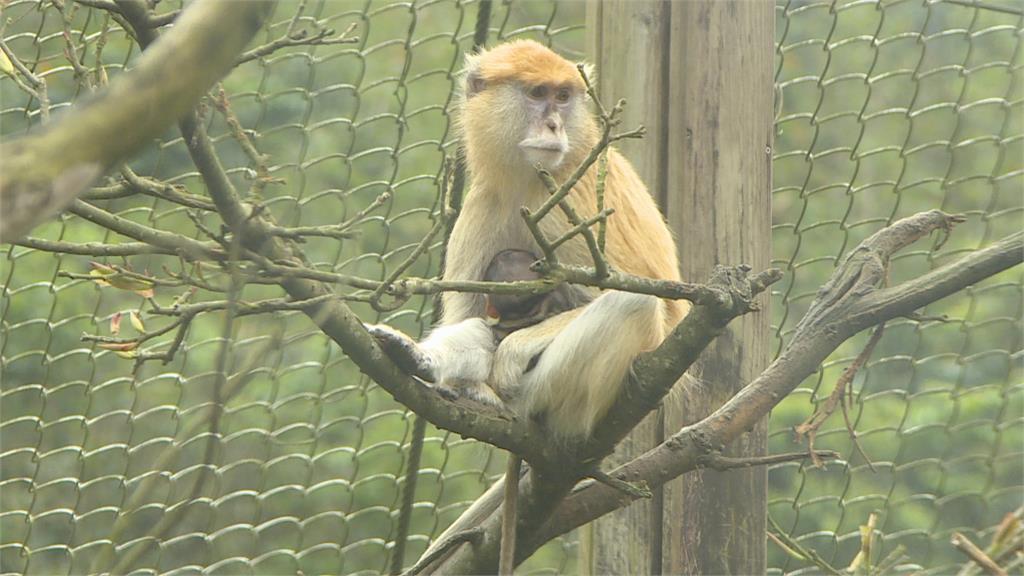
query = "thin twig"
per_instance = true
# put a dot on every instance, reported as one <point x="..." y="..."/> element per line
<point x="36" y="86"/>
<point x="886" y="564"/>
<point x="340" y="231"/>
<point x="559" y="194"/>
<point x="440" y="223"/>
<point x="180" y="245"/>
<point x="92" y="248"/>
<point x="538" y="235"/>
<point x="633" y="489"/>
<point x="164" y="191"/>
<point x="809" y="428"/>
<point x="300" y="38"/>
<point x="602" y="176"/>
<point x="600" y="263"/>
<point x="71" y="48"/>
<point x="977" y="555"/>
<point x="807" y="554"/>
<point x="719" y="462"/>
<point x="862" y="561"/>
<point x="258" y="159"/>
<point x="600" y="218"/>
<point x="244" y="308"/>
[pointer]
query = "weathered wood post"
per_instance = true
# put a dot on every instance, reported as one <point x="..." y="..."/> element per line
<point x="698" y="74"/>
<point x="628" y="42"/>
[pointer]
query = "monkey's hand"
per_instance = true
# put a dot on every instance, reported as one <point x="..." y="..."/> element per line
<point x="462" y="354"/>
<point x="404" y="352"/>
<point x="456" y="357"/>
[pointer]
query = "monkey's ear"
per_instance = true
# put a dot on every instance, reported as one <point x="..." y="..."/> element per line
<point x="474" y="83"/>
<point x="474" y="80"/>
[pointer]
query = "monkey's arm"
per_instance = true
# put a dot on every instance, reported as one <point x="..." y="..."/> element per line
<point x="457" y="357"/>
<point x="403" y="351"/>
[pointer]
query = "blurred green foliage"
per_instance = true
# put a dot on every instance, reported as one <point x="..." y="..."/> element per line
<point x="885" y="109"/>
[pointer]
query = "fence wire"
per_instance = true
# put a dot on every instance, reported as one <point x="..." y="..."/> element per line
<point x="884" y="109"/>
<point x="110" y="468"/>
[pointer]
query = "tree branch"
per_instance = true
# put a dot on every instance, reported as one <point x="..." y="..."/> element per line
<point x="977" y="555"/>
<point x="176" y="243"/>
<point x="654" y="374"/>
<point x="854" y="307"/>
<point x="850" y="302"/>
<point x="93" y="248"/>
<point x="559" y="194"/>
<point x="337" y="320"/>
<point x="301" y="38"/>
<point x="98" y="134"/>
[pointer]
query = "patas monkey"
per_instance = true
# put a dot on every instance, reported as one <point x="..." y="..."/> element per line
<point x="523" y="106"/>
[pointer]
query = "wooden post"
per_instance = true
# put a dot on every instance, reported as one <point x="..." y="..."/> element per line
<point x="720" y="84"/>
<point x="698" y="74"/>
<point x="628" y="41"/>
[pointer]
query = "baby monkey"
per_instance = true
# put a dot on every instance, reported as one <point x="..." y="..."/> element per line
<point x="506" y="313"/>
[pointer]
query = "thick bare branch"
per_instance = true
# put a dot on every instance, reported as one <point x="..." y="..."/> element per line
<point x="849" y="303"/>
<point x="166" y="82"/>
<point x="855" y="307"/>
<point x="730" y="294"/>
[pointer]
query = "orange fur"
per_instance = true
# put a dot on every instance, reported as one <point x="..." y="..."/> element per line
<point x="529" y="62"/>
<point x="638" y="241"/>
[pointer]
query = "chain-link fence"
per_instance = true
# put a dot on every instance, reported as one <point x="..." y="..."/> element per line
<point x="109" y="464"/>
<point x="111" y="467"/>
<point x="886" y="109"/>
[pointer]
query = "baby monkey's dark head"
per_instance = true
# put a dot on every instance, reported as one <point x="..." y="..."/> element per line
<point x="507" y="313"/>
<point x="512" y="266"/>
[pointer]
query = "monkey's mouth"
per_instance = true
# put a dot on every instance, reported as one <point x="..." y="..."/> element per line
<point x="542" y="145"/>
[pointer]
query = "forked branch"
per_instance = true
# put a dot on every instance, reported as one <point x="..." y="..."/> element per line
<point x="850" y="302"/>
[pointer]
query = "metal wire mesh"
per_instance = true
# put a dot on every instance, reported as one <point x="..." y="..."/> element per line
<point x="884" y="109"/>
<point x="106" y="468"/>
<point x="887" y="109"/>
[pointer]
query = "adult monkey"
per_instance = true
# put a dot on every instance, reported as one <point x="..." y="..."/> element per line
<point x="522" y="106"/>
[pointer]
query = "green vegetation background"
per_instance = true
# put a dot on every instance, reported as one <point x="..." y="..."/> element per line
<point x="885" y="109"/>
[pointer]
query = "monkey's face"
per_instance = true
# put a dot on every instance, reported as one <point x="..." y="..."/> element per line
<point x="523" y="124"/>
<point x="547" y="110"/>
<point x="523" y="105"/>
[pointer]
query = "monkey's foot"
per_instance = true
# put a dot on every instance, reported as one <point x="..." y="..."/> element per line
<point x="482" y="393"/>
<point x="403" y="351"/>
<point x="446" y="392"/>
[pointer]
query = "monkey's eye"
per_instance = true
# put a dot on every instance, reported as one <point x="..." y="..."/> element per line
<point x="563" y="95"/>
<point x="539" y="92"/>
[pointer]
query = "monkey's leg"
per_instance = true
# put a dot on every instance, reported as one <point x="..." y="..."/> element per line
<point x="578" y="376"/>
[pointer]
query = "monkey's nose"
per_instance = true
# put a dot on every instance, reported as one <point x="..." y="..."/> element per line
<point x="553" y="124"/>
